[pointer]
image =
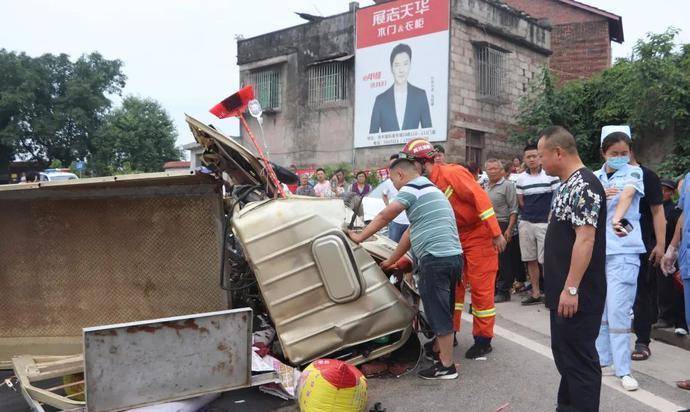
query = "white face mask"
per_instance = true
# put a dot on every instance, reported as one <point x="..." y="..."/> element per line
<point x="617" y="162"/>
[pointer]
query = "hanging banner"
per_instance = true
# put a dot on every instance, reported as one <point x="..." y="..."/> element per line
<point x="401" y="72"/>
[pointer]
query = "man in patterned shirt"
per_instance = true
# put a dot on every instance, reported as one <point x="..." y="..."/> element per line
<point x="574" y="270"/>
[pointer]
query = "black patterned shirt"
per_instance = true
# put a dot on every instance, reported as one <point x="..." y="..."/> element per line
<point x="579" y="201"/>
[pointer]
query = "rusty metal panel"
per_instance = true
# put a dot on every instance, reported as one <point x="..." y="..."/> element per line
<point x="142" y="363"/>
<point x="102" y="252"/>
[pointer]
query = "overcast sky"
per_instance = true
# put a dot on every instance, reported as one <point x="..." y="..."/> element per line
<point x="183" y="52"/>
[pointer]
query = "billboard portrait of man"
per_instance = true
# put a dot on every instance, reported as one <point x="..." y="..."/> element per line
<point x="402" y="106"/>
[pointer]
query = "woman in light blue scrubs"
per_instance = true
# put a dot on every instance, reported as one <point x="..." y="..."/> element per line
<point x="624" y="189"/>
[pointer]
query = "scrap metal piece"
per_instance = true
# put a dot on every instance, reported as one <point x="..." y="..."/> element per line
<point x="33" y="369"/>
<point x="142" y="363"/>
<point x="112" y="250"/>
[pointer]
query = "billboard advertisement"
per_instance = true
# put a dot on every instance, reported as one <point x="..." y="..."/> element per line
<point x="401" y="72"/>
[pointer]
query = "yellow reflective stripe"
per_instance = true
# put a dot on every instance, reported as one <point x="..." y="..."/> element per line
<point x="459" y="306"/>
<point x="487" y="214"/>
<point x="484" y="313"/>
<point x="449" y="192"/>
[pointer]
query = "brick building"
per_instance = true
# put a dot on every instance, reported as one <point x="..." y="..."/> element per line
<point x="304" y="76"/>
<point x="581" y="36"/>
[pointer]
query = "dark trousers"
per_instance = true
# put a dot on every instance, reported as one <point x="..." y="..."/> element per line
<point x="645" y="308"/>
<point x="671" y="301"/>
<point x="509" y="263"/>
<point x="576" y="358"/>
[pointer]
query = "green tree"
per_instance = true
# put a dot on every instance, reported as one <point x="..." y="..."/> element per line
<point x="51" y="107"/>
<point x="139" y="135"/>
<point x="650" y="91"/>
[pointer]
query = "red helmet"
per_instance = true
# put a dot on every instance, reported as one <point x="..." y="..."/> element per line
<point x="418" y="149"/>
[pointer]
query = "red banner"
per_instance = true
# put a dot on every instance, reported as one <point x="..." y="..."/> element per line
<point x="402" y="19"/>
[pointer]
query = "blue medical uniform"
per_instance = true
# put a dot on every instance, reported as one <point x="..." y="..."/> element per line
<point x="622" y="268"/>
<point x="684" y="249"/>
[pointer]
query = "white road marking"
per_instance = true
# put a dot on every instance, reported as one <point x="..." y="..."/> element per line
<point x="645" y="397"/>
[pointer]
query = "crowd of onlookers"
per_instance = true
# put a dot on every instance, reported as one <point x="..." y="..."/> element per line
<point x="521" y="193"/>
<point x="319" y="185"/>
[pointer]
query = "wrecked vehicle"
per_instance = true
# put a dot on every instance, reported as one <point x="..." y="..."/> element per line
<point x="119" y="249"/>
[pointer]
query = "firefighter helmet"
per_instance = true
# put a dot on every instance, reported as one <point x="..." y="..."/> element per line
<point x="418" y="149"/>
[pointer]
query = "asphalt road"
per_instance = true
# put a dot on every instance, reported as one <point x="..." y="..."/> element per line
<point x="519" y="372"/>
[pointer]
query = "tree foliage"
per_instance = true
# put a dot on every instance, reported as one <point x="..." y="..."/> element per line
<point x="51" y="107"/>
<point x="137" y="136"/>
<point x="650" y="91"/>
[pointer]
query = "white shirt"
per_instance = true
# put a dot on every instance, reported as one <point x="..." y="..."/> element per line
<point x="323" y="189"/>
<point x="390" y="191"/>
<point x="400" y="104"/>
<point x="483" y="180"/>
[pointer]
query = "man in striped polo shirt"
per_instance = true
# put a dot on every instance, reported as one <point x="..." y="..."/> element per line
<point x="535" y="190"/>
<point x="434" y="239"/>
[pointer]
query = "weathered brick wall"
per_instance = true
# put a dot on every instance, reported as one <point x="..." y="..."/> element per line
<point x="580" y="50"/>
<point x="467" y="110"/>
<point x="296" y="133"/>
<point x="555" y="11"/>
<point x="580" y="40"/>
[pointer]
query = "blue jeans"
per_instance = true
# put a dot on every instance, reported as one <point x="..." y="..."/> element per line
<point x="437" y="279"/>
<point x="396" y="230"/>
<point x="685" y="277"/>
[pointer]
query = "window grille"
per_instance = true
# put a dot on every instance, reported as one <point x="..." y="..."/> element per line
<point x="327" y="83"/>
<point x="266" y="87"/>
<point x="491" y="73"/>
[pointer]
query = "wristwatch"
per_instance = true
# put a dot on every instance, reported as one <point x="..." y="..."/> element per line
<point x="572" y="291"/>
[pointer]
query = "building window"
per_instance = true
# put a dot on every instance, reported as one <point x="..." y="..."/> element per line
<point x="266" y="87"/>
<point x="474" y="147"/>
<point x="491" y="72"/>
<point x="327" y="83"/>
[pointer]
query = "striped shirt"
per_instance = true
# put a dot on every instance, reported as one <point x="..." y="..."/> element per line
<point x="538" y="191"/>
<point x="432" y="223"/>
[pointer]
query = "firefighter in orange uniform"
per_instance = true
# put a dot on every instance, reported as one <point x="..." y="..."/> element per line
<point x="480" y="235"/>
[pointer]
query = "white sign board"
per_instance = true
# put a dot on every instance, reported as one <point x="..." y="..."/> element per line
<point x="401" y="72"/>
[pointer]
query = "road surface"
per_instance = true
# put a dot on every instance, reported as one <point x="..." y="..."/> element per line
<point x="519" y="372"/>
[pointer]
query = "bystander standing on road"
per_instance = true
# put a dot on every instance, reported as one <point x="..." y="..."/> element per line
<point x="339" y="184"/>
<point x="439" y="154"/>
<point x="400" y="223"/>
<point x="535" y="190"/>
<point x="504" y="200"/>
<point x="653" y="230"/>
<point x="574" y="268"/>
<point x="624" y="189"/>
<point x="434" y="239"/>
<point x="510" y="175"/>
<point x="322" y="188"/>
<point x="517" y="165"/>
<point x="669" y="296"/>
<point x="360" y="187"/>
<point x="679" y="251"/>
<point x="304" y="188"/>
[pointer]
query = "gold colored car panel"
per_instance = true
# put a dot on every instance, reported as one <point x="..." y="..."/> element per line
<point x="277" y="238"/>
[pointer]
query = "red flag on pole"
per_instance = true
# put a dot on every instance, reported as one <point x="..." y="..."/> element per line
<point x="234" y="105"/>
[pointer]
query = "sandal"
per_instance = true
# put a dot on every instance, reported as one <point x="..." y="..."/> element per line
<point x="641" y="352"/>
<point x="684" y="385"/>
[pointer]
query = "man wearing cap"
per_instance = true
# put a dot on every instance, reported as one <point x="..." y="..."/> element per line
<point x="480" y="235"/>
